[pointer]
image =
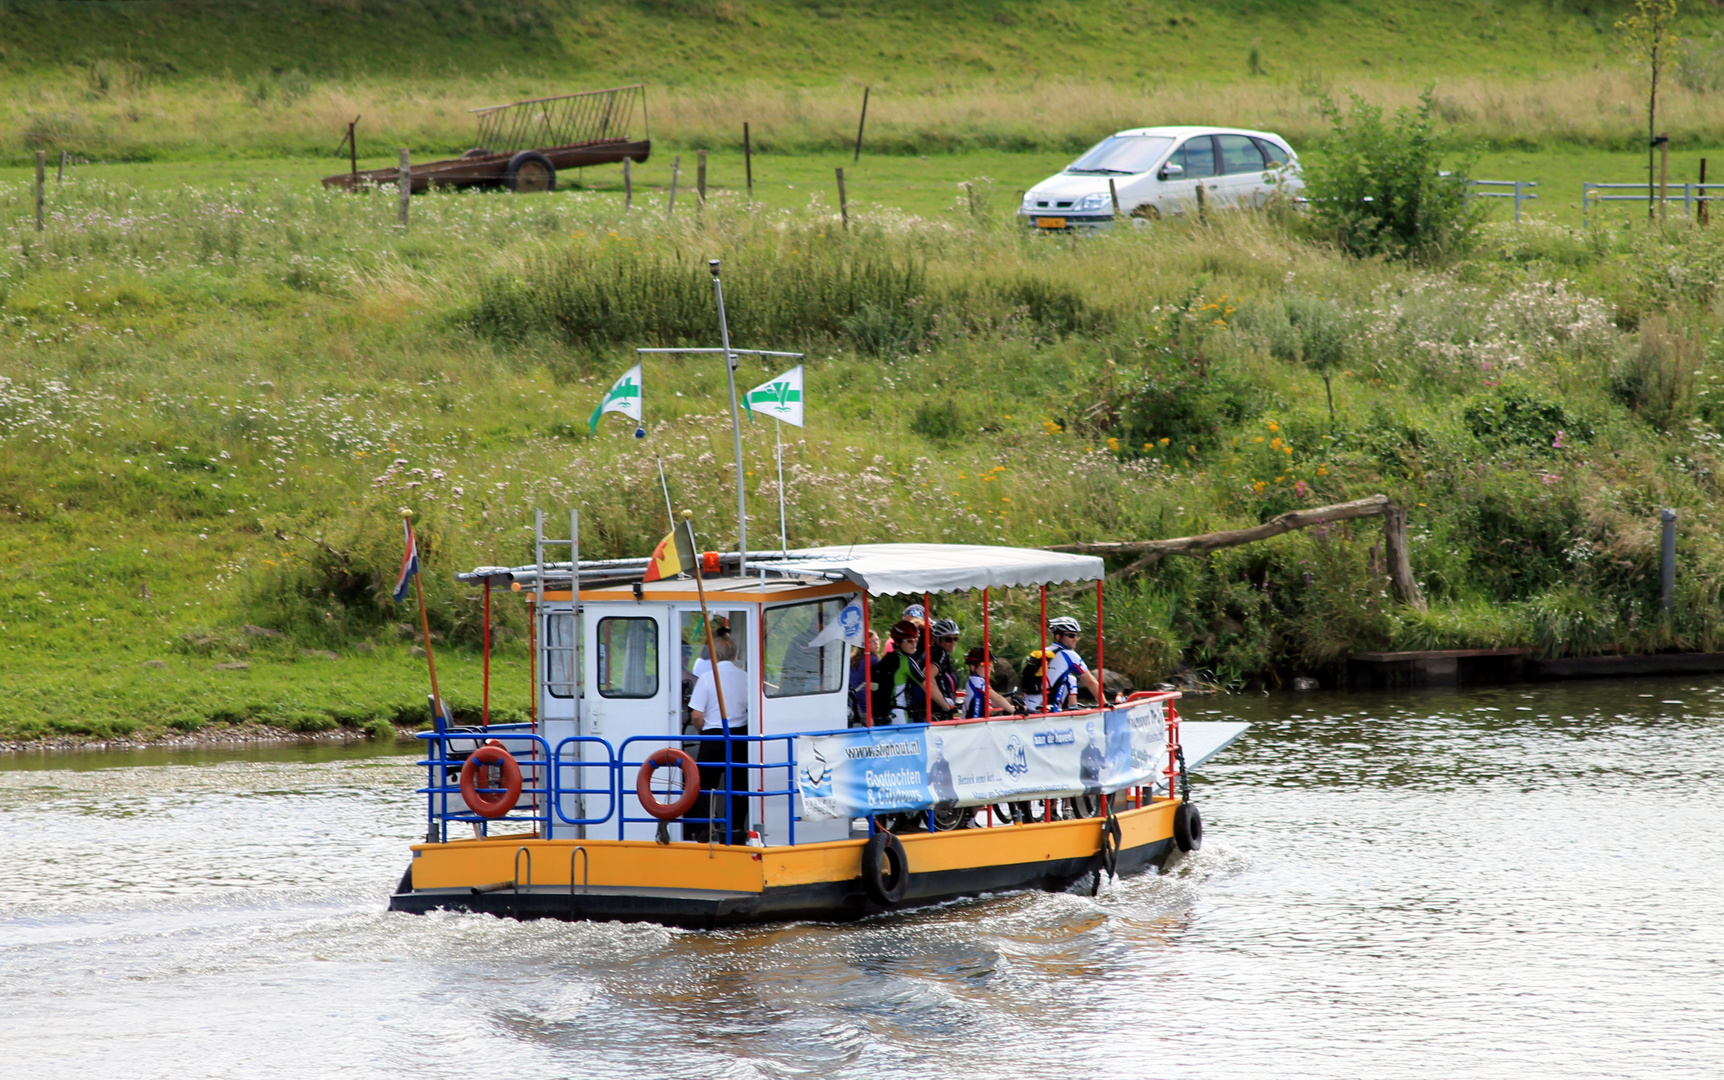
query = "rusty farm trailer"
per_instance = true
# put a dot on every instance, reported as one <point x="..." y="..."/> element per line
<point x="522" y="145"/>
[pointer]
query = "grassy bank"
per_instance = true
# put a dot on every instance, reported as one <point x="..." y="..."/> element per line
<point x="216" y="401"/>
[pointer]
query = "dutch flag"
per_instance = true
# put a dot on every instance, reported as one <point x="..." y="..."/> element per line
<point x="409" y="563"/>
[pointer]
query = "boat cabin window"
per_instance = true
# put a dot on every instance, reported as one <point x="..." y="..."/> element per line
<point x="560" y="655"/>
<point x="628" y="657"/>
<point x="794" y="665"/>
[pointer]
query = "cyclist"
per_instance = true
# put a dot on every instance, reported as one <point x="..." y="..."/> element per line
<point x="1064" y="669"/>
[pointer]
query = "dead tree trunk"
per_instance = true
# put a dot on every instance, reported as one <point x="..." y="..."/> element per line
<point x="1400" y="569"/>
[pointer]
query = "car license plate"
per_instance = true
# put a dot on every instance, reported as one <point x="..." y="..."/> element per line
<point x="1050" y="223"/>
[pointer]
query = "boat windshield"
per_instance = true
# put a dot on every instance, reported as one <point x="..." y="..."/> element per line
<point x="1123" y="155"/>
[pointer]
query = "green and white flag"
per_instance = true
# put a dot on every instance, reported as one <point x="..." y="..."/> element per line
<point x="624" y="397"/>
<point x="780" y="399"/>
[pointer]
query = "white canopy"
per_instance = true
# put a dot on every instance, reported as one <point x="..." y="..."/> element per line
<point x="885" y="569"/>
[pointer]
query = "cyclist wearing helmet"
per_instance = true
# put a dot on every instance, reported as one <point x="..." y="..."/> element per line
<point x="1065" y="669"/>
<point x="945" y="633"/>
<point x="898" y="678"/>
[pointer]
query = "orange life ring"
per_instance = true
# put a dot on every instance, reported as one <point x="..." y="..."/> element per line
<point x="491" y="806"/>
<point x="690" y="784"/>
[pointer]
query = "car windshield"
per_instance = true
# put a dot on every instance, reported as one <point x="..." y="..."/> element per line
<point x="1123" y="154"/>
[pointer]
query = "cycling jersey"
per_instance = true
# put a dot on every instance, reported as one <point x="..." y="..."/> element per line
<point x="1064" y="669"/>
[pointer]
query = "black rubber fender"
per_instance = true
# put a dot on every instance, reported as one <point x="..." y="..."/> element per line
<point x="1187" y="827"/>
<point x="885" y="886"/>
<point x="513" y="180"/>
<point x="1111" y="839"/>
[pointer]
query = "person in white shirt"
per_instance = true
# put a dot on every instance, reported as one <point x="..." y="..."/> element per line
<point x="704" y="710"/>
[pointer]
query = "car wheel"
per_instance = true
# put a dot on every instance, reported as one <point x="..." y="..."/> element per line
<point x="1147" y="212"/>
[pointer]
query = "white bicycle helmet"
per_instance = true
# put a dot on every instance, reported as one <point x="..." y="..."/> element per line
<point x="1064" y="624"/>
<point x="946" y="628"/>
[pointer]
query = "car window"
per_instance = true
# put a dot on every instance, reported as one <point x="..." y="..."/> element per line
<point x="1274" y="154"/>
<point x="1122" y="154"/>
<point x="1197" y="156"/>
<point x="1239" y="154"/>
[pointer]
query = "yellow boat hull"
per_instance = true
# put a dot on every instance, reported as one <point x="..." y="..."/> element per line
<point x="703" y="886"/>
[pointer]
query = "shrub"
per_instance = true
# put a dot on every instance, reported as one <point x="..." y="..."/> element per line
<point x="1517" y="416"/>
<point x="1656" y="378"/>
<point x="1379" y="187"/>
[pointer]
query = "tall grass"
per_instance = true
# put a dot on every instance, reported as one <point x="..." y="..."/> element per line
<point x="215" y="402"/>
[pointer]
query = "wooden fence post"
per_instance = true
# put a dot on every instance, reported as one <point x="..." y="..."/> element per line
<point x="675" y="171"/>
<point x="700" y="181"/>
<point x="405" y="176"/>
<point x="843" y="201"/>
<point x="628" y="186"/>
<point x="41" y="179"/>
<point x="862" y="123"/>
<point x="1401" y="580"/>
<point x="748" y="160"/>
<point x="60" y="176"/>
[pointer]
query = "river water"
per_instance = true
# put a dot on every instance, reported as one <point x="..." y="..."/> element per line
<point x="1504" y="882"/>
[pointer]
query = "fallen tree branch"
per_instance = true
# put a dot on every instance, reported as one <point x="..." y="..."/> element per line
<point x="1151" y="552"/>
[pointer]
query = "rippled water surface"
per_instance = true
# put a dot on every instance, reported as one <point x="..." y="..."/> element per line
<point x="1494" y="883"/>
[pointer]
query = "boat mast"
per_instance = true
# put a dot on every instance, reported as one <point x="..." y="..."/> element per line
<point x="735" y="420"/>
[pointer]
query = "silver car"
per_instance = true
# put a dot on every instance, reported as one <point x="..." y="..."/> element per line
<point x="1157" y="171"/>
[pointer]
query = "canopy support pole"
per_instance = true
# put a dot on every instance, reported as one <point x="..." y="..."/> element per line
<point x="1044" y="648"/>
<point x="928" y="658"/>
<point x="1100" y="672"/>
<point x="485" y="707"/>
<point x="987" y="675"/>
<point x="867" y="664"/>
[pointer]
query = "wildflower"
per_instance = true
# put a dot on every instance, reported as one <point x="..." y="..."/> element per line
<point x="1273" y="426"/>
<point x="1301" y="489"/>
<point x="1322" y="470"/>
<point x="1556" y="443"/>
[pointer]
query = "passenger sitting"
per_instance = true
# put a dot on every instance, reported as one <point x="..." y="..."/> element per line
<point x="980" y="691"/>
<point x="898" y="678"/>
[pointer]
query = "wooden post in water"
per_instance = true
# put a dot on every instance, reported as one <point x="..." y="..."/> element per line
<point x="405" y="182"/>
<point x="700" y="181"/>
<point x="843" y="201"/>
<point x="41" y="178"/>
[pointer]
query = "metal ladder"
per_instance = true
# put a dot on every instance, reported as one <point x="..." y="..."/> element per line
<point x="560" y="650"/>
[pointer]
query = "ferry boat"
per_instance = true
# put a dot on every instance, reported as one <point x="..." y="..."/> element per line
<point x="595" y="809"/>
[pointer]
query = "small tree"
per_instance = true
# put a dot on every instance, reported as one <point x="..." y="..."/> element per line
<point x="1651" y="38"/>
<point x="1379" y="188"/>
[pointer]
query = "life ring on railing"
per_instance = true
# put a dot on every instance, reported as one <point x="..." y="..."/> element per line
<point x="885" y="886"/>
<point x="664" y="811"/>
<point x="491" y="806"/>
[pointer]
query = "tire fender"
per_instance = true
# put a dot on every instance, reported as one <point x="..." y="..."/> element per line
<point x="1187" y="827"/>
<point x="885" y="885"/>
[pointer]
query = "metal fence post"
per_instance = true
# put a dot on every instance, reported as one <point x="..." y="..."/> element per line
<point x="1667" y="576"/>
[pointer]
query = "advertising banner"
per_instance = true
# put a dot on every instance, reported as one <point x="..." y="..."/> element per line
<point x="904" y="767"/>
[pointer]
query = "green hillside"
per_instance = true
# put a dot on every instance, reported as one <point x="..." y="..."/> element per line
<point x="785" y="41"/>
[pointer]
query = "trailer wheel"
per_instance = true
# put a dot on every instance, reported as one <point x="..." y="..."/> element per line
<point x="530" y="171"/>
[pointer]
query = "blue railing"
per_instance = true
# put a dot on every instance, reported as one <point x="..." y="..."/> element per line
<point x="719" y="795"/>
<point x="443" y="763"/>
<point x="550" y="778"/>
